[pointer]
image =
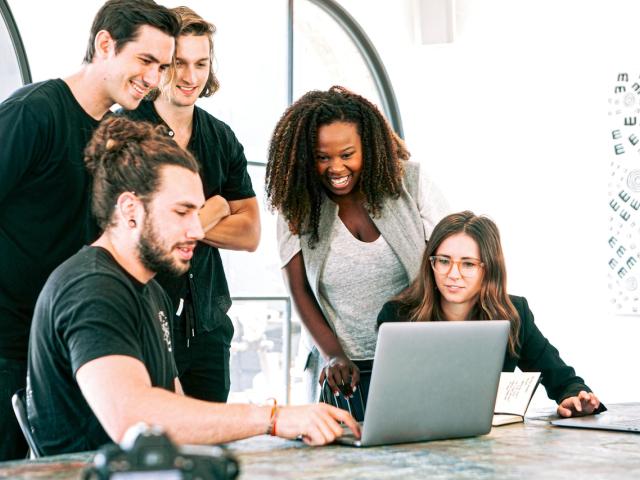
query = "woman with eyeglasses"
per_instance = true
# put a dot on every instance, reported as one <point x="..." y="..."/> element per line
<point x="463" y="277"/>
<point x="354" y="216"/>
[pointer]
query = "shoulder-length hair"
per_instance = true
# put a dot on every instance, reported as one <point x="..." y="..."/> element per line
<point x="421" y="301"/>
<point x="190" y="24"/>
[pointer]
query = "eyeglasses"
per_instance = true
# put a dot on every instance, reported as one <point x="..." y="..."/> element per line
<point x="467" y="267"/>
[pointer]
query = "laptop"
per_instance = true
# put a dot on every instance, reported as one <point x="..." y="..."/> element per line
<point x="620" y="417"/>
<point x="432" y="380"/>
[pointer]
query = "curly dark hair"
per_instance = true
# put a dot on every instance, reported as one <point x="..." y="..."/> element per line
<point x="292" y="184"/>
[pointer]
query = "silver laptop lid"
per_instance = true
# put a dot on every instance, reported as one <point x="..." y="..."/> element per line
<point x="434" y="380"/>
<point x="623" y="417"/>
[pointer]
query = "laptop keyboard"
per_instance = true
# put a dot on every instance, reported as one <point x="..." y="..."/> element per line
<point x="347" y="433"/>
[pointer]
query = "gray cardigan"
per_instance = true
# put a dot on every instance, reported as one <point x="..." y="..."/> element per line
<point x="400" y="223"/>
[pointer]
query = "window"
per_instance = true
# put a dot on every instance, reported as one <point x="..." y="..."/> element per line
<point x="324" y="55"/>
<point x="264" y="60"/>
<point x="14" y="69"/>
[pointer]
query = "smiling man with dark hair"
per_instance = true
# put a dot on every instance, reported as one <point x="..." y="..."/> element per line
<point x="44" y="187"/>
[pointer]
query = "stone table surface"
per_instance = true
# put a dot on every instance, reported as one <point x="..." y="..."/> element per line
<point x="534" y="449"/>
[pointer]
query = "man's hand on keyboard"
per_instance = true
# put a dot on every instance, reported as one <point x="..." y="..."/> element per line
<point x="317" y="424"/>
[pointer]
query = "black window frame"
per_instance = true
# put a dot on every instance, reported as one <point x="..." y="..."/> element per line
<point x="369" y="54"/>
<point x="16" y="41"/>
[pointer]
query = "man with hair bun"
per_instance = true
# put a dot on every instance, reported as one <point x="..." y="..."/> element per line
<point x="100" y="356"/>
<point x="230" y="217"/>
<point x="44" y="187"/>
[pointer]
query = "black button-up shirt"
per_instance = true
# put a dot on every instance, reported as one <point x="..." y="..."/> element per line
<point x="223" y="170"/>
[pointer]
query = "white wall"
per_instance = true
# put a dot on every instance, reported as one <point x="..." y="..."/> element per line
<point x="511" y="119"/>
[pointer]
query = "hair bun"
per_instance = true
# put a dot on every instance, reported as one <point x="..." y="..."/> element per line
<point x="112" y="144"/>
<point x="113" y="135"/>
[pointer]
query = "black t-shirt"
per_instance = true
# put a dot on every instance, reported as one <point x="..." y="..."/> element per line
<point x="90" y="308"/>
<point x="45" y="214"/>
<point x="223" y="170"/>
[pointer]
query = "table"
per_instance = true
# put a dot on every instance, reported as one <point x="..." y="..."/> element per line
<point x="533" y="449"/>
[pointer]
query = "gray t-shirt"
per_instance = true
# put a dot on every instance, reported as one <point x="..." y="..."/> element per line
<point x="357" y="279"/>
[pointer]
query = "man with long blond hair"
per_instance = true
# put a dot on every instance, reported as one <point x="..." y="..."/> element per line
<point x="230" y="217"/>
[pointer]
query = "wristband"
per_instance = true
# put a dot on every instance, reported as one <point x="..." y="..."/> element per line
<point x="273" y="418"/>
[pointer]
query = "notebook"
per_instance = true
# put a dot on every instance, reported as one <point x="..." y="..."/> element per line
<point x="433" y="380"/>
<point x="623" y="417"/>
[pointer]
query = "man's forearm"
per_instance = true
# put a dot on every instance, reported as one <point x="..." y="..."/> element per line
<point x="215" y="209"/>
<point x="188" y="420"/>
<point x="235" y="232"/>
<point x="238" y="231"/>
<point x="118" y="390"/>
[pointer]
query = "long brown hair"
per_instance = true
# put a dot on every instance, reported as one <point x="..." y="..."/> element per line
<point x="292" y="184"/>
<point x="421" y="301"/>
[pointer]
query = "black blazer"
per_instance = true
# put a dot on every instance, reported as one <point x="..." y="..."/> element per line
<point x="534" y="352"/>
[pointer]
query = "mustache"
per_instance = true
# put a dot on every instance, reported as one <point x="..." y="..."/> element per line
<point x="189" y="244"/>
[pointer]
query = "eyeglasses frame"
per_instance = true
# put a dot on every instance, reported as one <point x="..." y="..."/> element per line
<point x="457" y="263"/>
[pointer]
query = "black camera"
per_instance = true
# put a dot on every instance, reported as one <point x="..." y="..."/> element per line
<point x="146" y="452"/>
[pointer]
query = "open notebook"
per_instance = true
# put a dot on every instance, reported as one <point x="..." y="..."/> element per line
<point x="514" y="395"/>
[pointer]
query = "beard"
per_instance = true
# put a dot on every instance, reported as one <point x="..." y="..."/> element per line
<point x="155" y="256"/>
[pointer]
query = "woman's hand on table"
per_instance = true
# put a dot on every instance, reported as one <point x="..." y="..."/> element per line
<point x="582" y="404"/>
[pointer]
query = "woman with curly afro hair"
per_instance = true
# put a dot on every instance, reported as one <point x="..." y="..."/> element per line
<point x="354" y="217"/>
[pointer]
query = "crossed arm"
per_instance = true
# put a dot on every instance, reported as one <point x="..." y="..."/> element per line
<point x="119" y="391"/>
<point x="233" y="225"/>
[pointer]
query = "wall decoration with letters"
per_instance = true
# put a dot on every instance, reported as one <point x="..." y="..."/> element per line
<point x="624" y="195"/>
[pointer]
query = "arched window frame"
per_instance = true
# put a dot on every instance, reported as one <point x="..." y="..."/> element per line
<point x="366" y="49"/>
<point x="16" y="40"/>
